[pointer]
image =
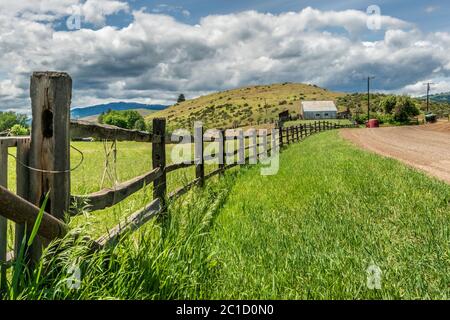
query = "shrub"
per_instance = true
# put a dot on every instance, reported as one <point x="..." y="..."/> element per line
<point x="388" y="104"/>
<point x="124" y="119"/>
<point x="404" y="109"/>
<point x="140" y="125"/>
<point x="19" y="130"/>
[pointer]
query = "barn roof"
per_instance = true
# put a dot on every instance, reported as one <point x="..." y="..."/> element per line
<point x="318" y="106"/>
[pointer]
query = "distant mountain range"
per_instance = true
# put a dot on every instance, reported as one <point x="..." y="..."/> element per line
<point x="84" y="112"/>
<point x="440" y="97"/>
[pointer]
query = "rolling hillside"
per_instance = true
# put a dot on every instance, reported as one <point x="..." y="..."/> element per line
<point x="243" y="106"/>
<point x="440" y="97"/>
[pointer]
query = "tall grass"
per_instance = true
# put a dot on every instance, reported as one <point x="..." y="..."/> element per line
<point x="168" y="259"/>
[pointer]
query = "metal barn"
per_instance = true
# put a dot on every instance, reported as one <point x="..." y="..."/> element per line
<point x="311" y="110"/>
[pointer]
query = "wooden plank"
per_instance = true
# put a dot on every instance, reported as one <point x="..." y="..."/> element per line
<point x="130" y="224"/>
<point x="80" y="129"/>
<point x="177" y="166"/>
<point x="86" y="129"/>
<point x="159" y="161"/>
<point x="10" y="142"/>
<point x="111" y="196"/>
<point x="23" y="212"/>
<point x="3" y="220"/>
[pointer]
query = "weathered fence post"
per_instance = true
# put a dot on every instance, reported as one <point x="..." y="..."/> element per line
<point x="315" y="126"/>
<point x="253" y="146"/>
<point x="159" y="161"/>
<point x="3" y="220"/>
<point x="263" y="144"/>
<point x="222" y="150"/>
<point x="22" y="186"/>
<point x="241" y="146"/>
<point x="280" y="129"/>
<point x="297" y="132"/>
<point x="199" y="158"/>
<point x="51" y="94"/>
<point x="287" y="135"/>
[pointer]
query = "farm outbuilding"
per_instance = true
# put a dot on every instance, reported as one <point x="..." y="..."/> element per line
<point x="311" y="110"/>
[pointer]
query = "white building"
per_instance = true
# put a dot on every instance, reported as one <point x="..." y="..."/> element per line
<point x="311" y="110"/>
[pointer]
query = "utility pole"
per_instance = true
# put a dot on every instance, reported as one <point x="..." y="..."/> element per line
<point x="368" y="97"/>
<point x="428" y="95"/>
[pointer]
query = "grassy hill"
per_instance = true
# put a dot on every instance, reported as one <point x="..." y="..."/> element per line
<point x="243" y="106"/>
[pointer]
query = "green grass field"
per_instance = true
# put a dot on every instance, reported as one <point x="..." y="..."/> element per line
<point x="311" y="231"/>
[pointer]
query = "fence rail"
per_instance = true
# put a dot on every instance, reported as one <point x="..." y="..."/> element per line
<point x="52" y="164"/>
<point x="112" y="196"/>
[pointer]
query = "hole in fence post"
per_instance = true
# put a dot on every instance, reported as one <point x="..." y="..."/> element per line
<point x="47" y="123"/>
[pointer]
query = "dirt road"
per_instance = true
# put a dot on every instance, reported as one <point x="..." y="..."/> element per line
<point x="424" y="147"/>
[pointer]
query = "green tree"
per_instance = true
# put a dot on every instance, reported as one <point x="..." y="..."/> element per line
<point x="181" y="98"/>
<point x="9" y="119"/>
<point x="388" y="104"/>
<point x="404" y="109"/>
<point x="19" y="130"/>
<point x="125" y="119"/>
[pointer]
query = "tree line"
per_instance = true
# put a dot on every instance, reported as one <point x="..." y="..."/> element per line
<point x="12" y="123"/>
<point x="128" y="119"/>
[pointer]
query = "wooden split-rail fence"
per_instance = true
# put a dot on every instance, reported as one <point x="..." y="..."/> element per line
<point x="43" y="167"/>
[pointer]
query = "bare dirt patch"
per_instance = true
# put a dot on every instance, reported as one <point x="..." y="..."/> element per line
<point x="425" y="147"/>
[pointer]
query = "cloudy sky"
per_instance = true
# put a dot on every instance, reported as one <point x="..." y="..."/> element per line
<point x="150" y="51"/>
